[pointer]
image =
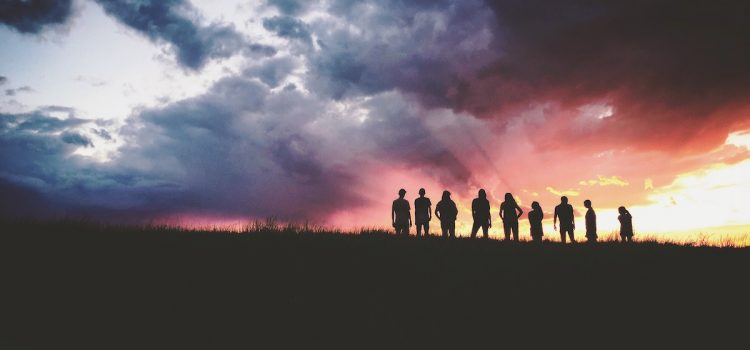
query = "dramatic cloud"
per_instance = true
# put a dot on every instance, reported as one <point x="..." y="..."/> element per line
<point x="288" y="27"/>
<point x="166" y="20"/>
<point x="32" y="16"/>
<point x="672" y="71"/>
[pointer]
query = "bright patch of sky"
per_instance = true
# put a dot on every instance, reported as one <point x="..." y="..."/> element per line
<point x="98" y="67"/>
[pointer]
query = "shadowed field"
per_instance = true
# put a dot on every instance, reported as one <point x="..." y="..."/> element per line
<point x="68" y="285"/>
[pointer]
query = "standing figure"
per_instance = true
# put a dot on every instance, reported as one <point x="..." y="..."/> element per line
<point x="535" y="221"/>
<point x="626" y="224"/>
<point x="480" y="212"/>
<point x="510" y="212"/>
<point x="447" y="212"/>
<point x="591" y="235"/>
<point x="564" y="211"/>
<point x="401" y="214"/>
<point x="422" y="213"/>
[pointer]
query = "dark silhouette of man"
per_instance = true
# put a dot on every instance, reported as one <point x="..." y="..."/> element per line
<point x="422" y="213"/>
<point x="510" y="212"/>
<point x="480" y="212"/>
<point x="591" y="235"/>
<point x="564" y="211"/>
<point x="536" y="215"/>
<point x="626" y="224"/>
<point x="401" y="214"/>
<point x="447" y="212"/>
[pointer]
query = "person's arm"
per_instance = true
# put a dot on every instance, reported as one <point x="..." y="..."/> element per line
<point x="501" y="212"/>
<point x="429" y="212"/>
<point x="520" y="211"/>
<point x="437" y="211"/>
<point x="489" y="214"/>
<point x="408" y="210"/>
<point x="573" y="216"/>
<point x="393" y="214"/>
<point x="554" y="219"/>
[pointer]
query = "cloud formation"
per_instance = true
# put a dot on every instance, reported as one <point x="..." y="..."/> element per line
<point x="168" y="21"/>
<point x="33" y="16"/>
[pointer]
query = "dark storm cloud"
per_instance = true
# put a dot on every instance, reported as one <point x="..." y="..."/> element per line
<point x="3" y="80"/>
<point x="238" y="150"/>
<point x="41" y="121"/>
<point x="288" y="27"/>
<point x="166" y="21"/>
<point x="77" y="139"/>
<point x="422" y="47"/>
<point x="32" y="16"/>
<point x="674" y="71"/>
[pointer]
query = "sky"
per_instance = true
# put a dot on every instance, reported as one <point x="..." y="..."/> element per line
<point x="210" y="112"/>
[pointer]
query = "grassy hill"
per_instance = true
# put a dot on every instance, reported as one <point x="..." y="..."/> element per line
<point x="73" y="285"/>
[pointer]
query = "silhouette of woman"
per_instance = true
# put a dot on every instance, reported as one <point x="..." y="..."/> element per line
<point x="626" y="224"/>
<point x="480" y="212"/>
<point x="510" y="212"/>
<point x="447" y="212"/>
<point x="536" y="215"/>
<point x="591" y="235"/>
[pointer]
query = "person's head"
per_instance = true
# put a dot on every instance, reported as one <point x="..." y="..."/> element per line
<point x="587" y="203"/>
<point x="401" y="193"/>
<point x="622" y="210"/>
<point x="421" y="192"/>
<point x="509" y="198"/>
<point x="446" y="195"/>
<point x="535" y="205"/>
<point x="482" y="193"/>
<point x="564" y="200"/>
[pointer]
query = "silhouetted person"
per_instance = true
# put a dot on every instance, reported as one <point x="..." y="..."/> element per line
<point x="480" y="212"/>
<point x="401" y="214"/>
<point x="564" y="211"/>
<point x="626" y="224"/>
<point x="591" y="235"/>
<point x="422" y="213"/>
<point x="536" y="215"/>
<point x="510" y="212"/>
<point x="447" y="212"/>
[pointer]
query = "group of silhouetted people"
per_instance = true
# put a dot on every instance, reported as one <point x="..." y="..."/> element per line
<point x="447" y="212"/>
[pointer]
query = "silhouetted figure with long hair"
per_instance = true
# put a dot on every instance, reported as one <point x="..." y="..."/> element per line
<point x="401" y="214"/>
<point x="591" y="235"/>
<point x="564" y="211"/>
<point x="480" y="212"/>
<point x="422" y="213"/>
<point x="447" y="212"/>
<point x="510" y="212"/>
<point x="536" y="215"/>
<point x="626" y="224"/>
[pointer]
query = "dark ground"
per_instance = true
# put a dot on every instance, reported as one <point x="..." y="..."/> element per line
<point x="74" y="286"/>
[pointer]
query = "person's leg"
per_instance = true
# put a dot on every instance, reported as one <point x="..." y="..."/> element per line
<point x="572" y="235"/>
<point x="426" y="228"/>
<point x="514" y="228"/>
<point x="452" y="229"/>
<point x="563" y="234"/>
<point x="474" y="229"/>
<point x="506" y="230"/>
<point x="419" y="230"/>
<point x="444" y="228"/>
